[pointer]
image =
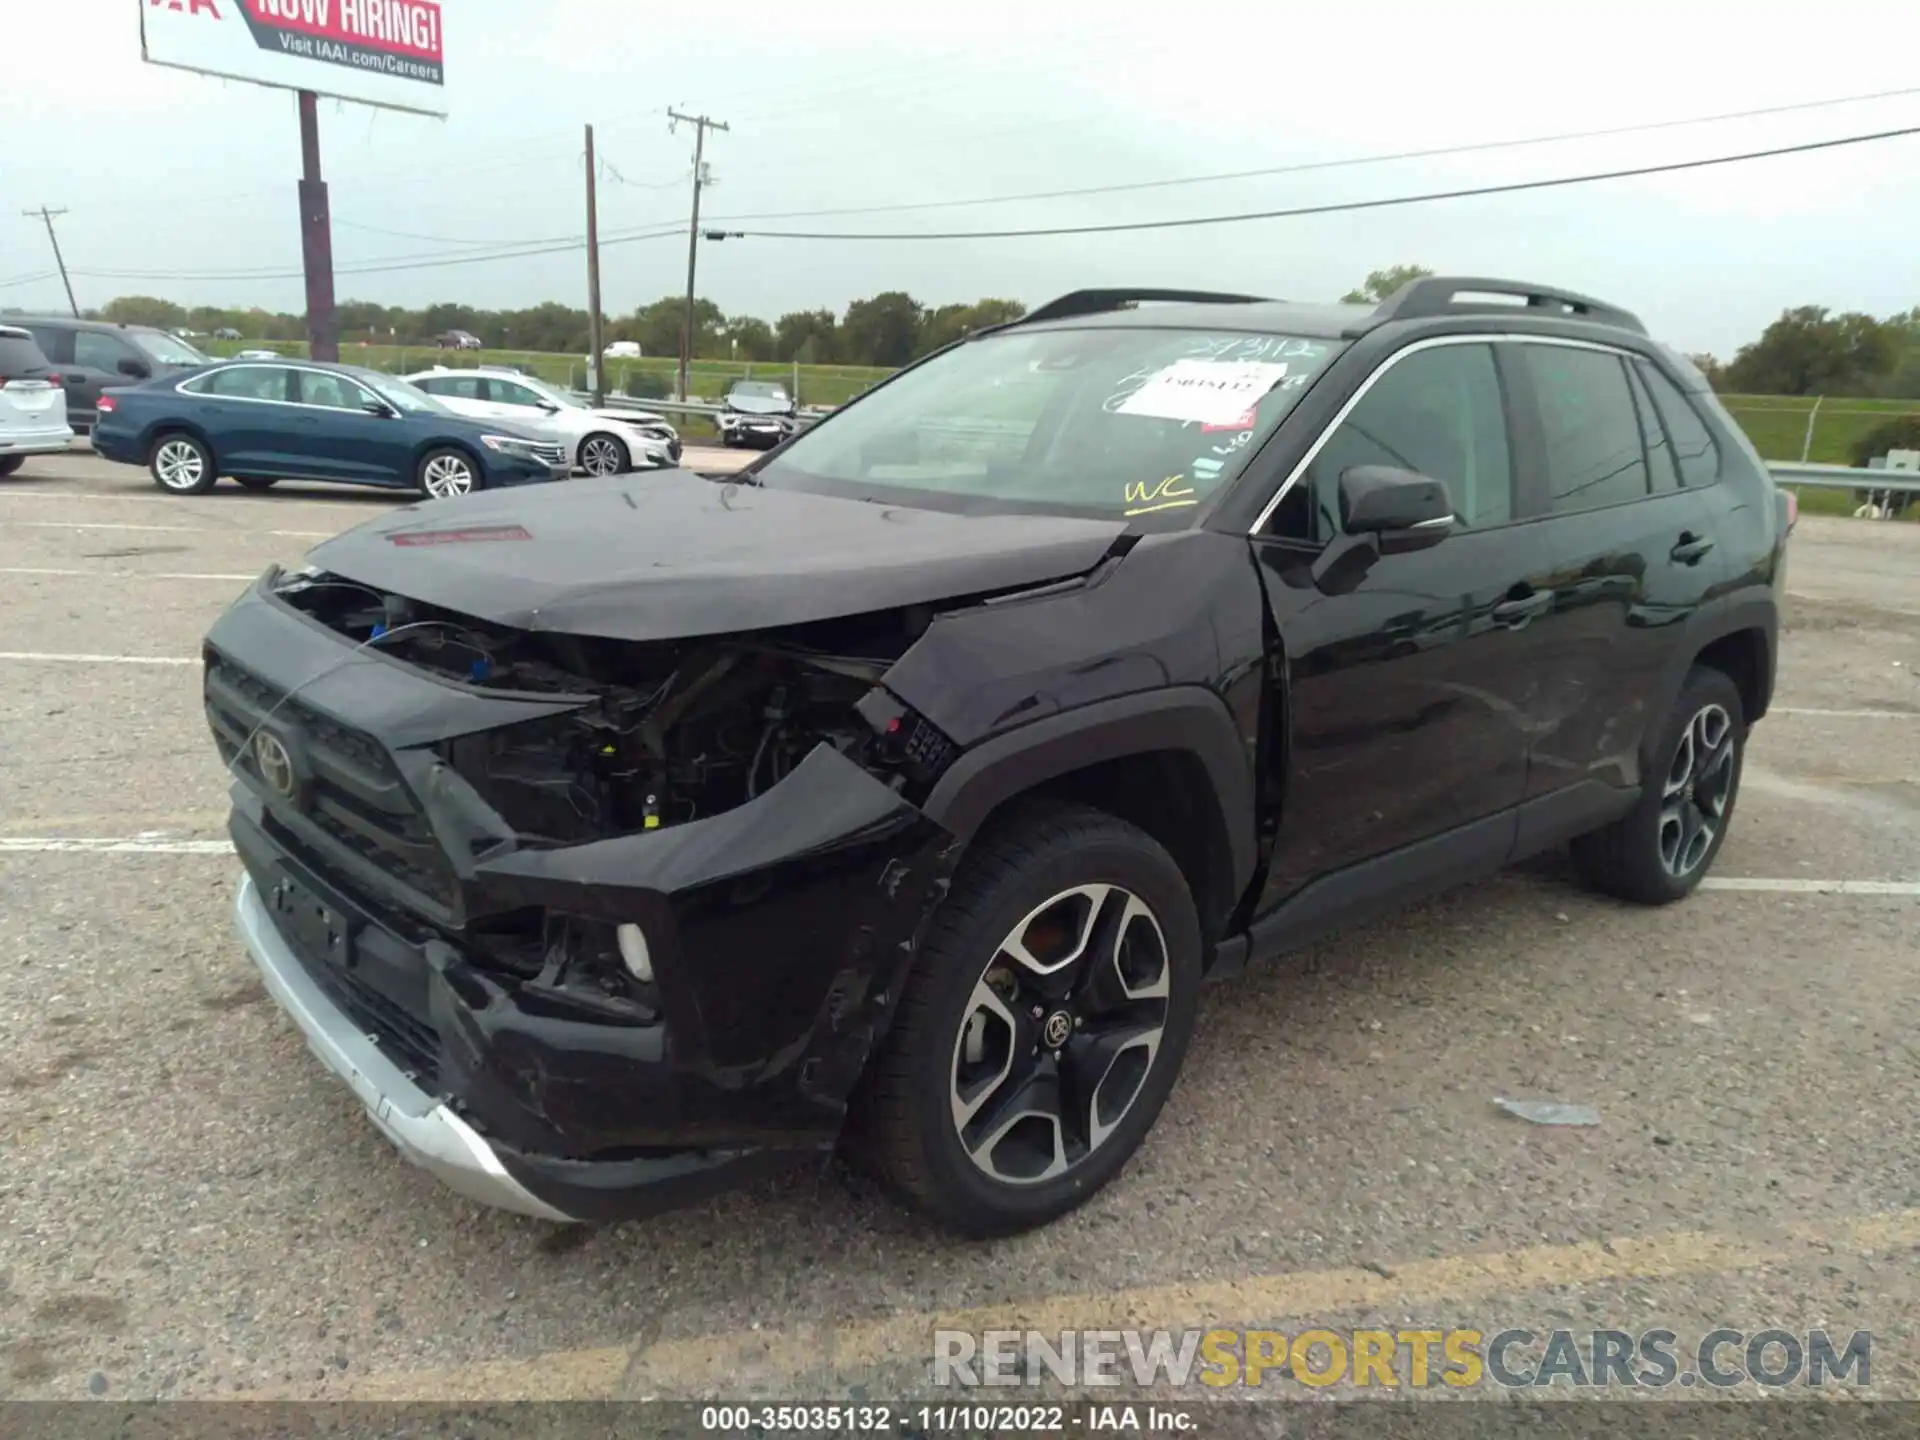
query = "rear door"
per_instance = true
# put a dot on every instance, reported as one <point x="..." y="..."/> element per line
<point x="247" y="414"/>
<point x="1634" y="559"/>
<point x="1408" y="680"/>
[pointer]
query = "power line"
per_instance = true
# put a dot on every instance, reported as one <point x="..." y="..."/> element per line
<point x="1305" y="167"/>
<point x="1189" y="221"/>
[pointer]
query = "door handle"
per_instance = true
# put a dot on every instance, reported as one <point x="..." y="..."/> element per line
<point x="1522" y="608"/>
<point x="1690" y="547"/>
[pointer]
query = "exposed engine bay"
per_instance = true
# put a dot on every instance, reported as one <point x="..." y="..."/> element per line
<point x="667" y="732"/>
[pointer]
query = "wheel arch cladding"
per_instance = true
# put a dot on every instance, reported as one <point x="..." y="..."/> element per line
<point x="1741" y="655"/>
<point x="1737" y="639"/>
<point x="1170" y="761"/>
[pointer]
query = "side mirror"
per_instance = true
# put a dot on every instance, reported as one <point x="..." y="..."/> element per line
<point x="1405" y="510"/>
<point x="138" y="369"/>
<point x="549" y="407"/>
<point x="380" y="408"/>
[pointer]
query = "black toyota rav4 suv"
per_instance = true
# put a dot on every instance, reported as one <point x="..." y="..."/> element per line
<point x="624" y="841"/>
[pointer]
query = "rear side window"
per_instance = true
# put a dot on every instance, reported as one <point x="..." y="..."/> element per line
<point x="1653" y="434"/>
<point x="1592" y="431"/>
<point x="459" y="387"/>
<point x="20" y="358"/>
<point x="1693" y="444"/>
<point x="56" y="345"/>
<point x="245" y="382"/>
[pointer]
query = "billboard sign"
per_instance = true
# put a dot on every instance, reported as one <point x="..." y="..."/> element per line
<point x="376" y="52"/>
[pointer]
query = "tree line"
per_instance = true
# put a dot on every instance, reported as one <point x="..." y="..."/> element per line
<point x="888" y="330"/>
<point x="1808" y="350"/>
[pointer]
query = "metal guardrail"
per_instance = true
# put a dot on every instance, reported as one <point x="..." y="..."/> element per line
<point x="678" y="407"/>
<point x="1845" y="477"/>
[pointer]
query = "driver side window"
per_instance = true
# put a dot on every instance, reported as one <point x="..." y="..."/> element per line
<point x="1437" y="412"/>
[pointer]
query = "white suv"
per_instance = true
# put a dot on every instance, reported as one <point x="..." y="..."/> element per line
<point x="602" y="442"/>
<point x="33" y="402"/>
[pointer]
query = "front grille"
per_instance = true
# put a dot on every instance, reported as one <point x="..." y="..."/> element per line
<point x="351" y="795"/>
<point x="551" y="454"/>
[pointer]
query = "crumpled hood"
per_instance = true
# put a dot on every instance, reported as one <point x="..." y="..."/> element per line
<point x="667" y="555"/>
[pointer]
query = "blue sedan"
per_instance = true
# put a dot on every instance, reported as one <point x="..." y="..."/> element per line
<point x="260" y="422"/>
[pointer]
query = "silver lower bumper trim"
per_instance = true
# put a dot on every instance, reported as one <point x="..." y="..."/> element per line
<point x="422" y="1128"/>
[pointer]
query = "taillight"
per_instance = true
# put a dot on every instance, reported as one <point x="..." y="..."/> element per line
<point x="107" y="405"/>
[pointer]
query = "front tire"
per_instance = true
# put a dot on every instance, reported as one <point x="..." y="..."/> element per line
<point x="604" y="454"/>
<point x="445" y="473"/>
<point x="11" y="463"/>
<point x="1041" y="1027"/>
<point x="1659" y="851"/>
<point x="181" y="465"/>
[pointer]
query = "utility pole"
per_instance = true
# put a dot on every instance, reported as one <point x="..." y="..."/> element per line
<point x="596" y="382"/>
<point x="316" y="237"/>
<point x="47" y="215"/>
<point x="701" y="124"/>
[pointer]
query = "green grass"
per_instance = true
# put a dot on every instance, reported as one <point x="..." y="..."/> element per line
<point x="706" y="379"/>
<point x="1777" y="425"/>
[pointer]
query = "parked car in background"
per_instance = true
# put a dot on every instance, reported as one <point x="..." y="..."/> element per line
<point x="258" y="355"/>
<point x="757" y="413"/>
<point x="300" y="420"/>
<point x="227" y="332"/>
<point x="623" y="350"/>
<point x="601" y="442"/>
<point x="457" y="340"/>
<point x="93" y="354"/>
<point x="906" y="795"/>
<point x="33" y="406"/>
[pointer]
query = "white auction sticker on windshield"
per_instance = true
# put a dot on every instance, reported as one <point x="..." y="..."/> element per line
<point x="1207" y="392"/>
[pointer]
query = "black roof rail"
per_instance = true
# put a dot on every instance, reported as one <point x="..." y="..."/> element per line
<point x="1096" y="302"/>
<point x="1435" y="295"/>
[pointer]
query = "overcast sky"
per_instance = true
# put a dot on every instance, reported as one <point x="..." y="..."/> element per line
<point x="867" y="104"/>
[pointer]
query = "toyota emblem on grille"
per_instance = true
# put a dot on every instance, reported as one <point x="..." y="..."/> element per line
<point x="276" y="765"/>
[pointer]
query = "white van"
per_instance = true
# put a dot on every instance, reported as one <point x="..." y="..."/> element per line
<point x="33" y="403"/>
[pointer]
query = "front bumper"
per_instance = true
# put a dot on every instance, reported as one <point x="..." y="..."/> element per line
<point x="422" y="1128"/>
<point x="779" y="931"/>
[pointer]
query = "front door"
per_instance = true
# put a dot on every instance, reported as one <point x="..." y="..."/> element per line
<point x="344" y="440"/>
<point x="1408" y="681"/>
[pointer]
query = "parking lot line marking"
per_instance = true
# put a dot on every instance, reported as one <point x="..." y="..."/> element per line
<point x="121" y="574"/>
<point x="97" y="659"/>
<point x="204" y="530"/>
<point x="1846" y="714"/>
<point x="236" y="500"/>
<point x="715" y="1364"/>
<point x="55" y="845"/>
<point x="1815" y="887"/>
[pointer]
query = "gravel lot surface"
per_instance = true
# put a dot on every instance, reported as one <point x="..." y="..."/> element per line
<point x="194" y="1208"/>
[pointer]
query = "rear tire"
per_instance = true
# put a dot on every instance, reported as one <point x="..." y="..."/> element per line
<point x="256" y="482"/>
<point x="1660" y="850"/>
<point x="181" y="465"/>
<point x="993" y="1118"/>
<point x="11" y="463"/>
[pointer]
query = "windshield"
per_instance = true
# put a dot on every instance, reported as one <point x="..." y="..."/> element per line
<point x="756" y="390"/>
<point x="407" y="399"/>
<point x="169" y="349"/>
<point x="1101" y="421"/>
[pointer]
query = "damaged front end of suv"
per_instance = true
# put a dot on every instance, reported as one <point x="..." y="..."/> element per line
<point x="596" y="915"/>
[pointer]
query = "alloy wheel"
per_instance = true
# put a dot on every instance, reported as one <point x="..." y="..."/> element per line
<point x="1061" y="1031"/>
<point x="447" y="475"/>
<point x="179" y="464"/>
<point x="601" y="456"/>
<point x="1699" y="783"/>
